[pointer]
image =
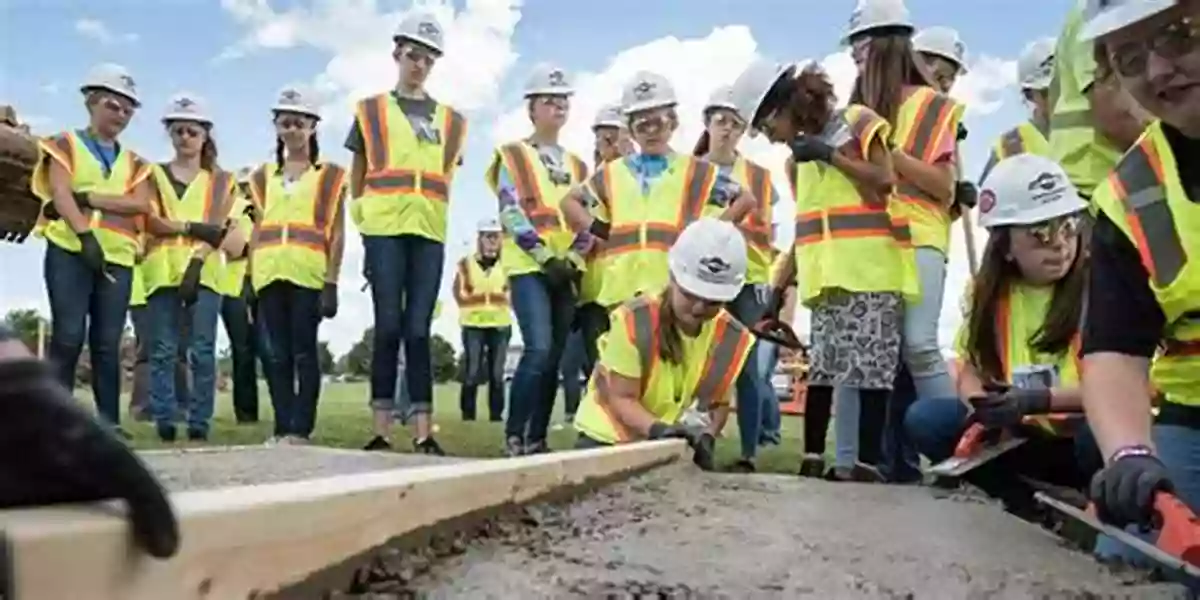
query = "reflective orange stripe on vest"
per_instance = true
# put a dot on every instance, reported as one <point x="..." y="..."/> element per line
<point x="529" y="194"/>
<point x="851" y="222"/>
<point x="1138" y="184"/>
<point x="382" y="179"/>
<point x="604" y="401"/>
<point x="730" y="340"/>
<point x="1178" y="348"/>
<point x="312" y="236"/>
<point x="661" y="236"/>
<point x="62" y="147"/>
<point x="466" y="297"/>
<point x="756" y="232"/>
<point x="214" y="201"/>
<point x="921" y="142"/>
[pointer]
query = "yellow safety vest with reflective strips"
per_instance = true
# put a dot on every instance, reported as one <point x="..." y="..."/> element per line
<point x="167" y="256"/>
<point x="710" y="366"/>
<point x="924" y="120"/>
<point x="297" y="225"/>
<point x="482" y="296"/>
<point x="1145" y="199"/>
<point x="842" y="242"/>
<point x="645" y="226"/>
<point x="757" y="226"/>
<point x="233" y="273"/>
<point x="1025" y="138"/>
<point x="137" y="290"/>
<point x="406" y="190"/>
<point x="539" y="196"/>
<point x="118" y="235"/>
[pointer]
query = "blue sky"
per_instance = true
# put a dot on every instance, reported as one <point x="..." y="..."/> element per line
<point x="238" y="53"/>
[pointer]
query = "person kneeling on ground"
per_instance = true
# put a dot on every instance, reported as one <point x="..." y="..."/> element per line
<point x="1018" y="344"/>
<point x="681" y="345"/>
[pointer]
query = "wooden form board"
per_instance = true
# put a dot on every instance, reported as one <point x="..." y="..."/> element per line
<point x="249" y="542"/>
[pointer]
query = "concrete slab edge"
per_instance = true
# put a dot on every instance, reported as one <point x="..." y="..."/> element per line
<point x="252" y="541"/>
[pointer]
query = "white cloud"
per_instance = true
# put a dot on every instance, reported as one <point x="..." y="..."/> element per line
<point x="986" y="86"/>
<point x="51" y="88"/>
<point x="99" y="31"/>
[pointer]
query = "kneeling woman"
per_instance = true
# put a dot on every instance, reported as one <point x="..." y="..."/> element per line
<point x="1020" y="334"/>
<point x="669" y="360"/>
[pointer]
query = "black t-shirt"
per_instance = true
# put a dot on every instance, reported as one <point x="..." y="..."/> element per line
<point x="419" y="112"/>
<point x="1123" y="315"/>
<point x="177" y="185"/>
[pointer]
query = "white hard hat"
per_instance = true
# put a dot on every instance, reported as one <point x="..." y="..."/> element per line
<point x="752" y="86"/>
<point x="1035" y="67"/>
<point x="608" y="116"/>
<point x="113" y="78"/>
<point x="1103" y="17"/>
<point x="295" y="101"/>
<point x="186" y="106"/>
<point x="243" y="174"/>
<point x="877" y="14"/>
<point x="548" y="80"/>
<point x="488" y="226"/>
<point x="942" y="42"/>
<point x="423" y="28"/>
<point x="647" y="91"/>
<point x="1025" y="189"/>
<point x="708" y="260"/>
<point x="722" y="97"/>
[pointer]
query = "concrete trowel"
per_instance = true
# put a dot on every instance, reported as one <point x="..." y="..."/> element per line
<point x="1177" y="549"/>
<point x="979" y="445"/>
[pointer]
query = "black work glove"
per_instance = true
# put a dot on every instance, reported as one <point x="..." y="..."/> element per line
<point x="807" y="148"/>
<point x="966" y="194"/>
<point x="51" y="214"/>
<point x="703" y="451"/>
<point x="248" y="290"/>
<point x="662" y="431"/>
<point x="999" y="408"/>
<point x="559" y="272"/>
<point x="1124" y="490"/>
<point x="189" y="288"/>
<point x="962" y="132"/>
<point x="54" y="452"/>
<point x="329" y="301"/>
<point x="82" y="200"/>
<point x="205" y="232"/>
<point x="91" y="252"/>
<point x="600" y="229"/>
<point x="775" y="300"/>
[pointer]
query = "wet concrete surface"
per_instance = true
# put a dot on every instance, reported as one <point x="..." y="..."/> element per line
<point x="208" y="468"/>
<point x="677" y="533"/>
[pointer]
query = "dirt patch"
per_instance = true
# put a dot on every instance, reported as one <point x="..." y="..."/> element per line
<point x="208" y="468"/>
<point x="676" y="533"/>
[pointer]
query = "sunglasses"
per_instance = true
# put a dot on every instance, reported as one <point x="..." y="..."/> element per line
<point x="1171" y="42"/>
<point x="727" y="119"/>
<point x="186" y="131"/>
<point x="1047" y="232"/>
<point x="419" y="57"/>
<point x="554" y="101"/>
<point x="650" y="124"/>
<point x="117" y="107"/>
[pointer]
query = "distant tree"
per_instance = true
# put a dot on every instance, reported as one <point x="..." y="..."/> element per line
<point x="445" y="363"/>
<point x="24" y="322"/>
<point x="325" y="359"/>
<point x="358" y="359"/>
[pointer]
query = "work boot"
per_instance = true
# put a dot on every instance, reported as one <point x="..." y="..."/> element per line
<point x="377" y="443"/>
<point x="428" y="446"/>
<point x="743" y="465"/>
<point x="195" y="435"/>
<point x="865" y="473"/>
<point x="538" y="447"/>
<point x="514" y="447"/>
<point x="166" y="433"/>
<point x="812" y="465"/>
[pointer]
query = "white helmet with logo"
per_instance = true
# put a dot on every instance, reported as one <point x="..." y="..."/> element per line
<point x="489" y="226"/>
<point x="942" y="42"/>
<point x="1103" y="17"/>
<point x="877" y="14"/>
<point x="1035" y="67"/>
<point x="721" y="97"/>
<point x="294" y="100"/>
<point x="1026" y="189"/>
<point x="113" y="78"/>
<point x="609" y="115"/>
<point x="708" y="260"/>
<point x="186" y="106"/>
<point x="647" y="91"/>
<point x="423" y="28"/>
<point x="548" y="80"/>
<point x="750" y="89"/>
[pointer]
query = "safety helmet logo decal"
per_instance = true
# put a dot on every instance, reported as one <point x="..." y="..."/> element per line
<point x="128" y="82"/>
<point x="428" y="29"/>
<point x="1044" y="181"/>
<point x="714" y="268"/>
<point x="184" y="104"/>
<point x="557" y="78"/>
<point x="644" y="90"/>
<point x="290" y="96"/>
<point x="960" y="49"/>
<point x="987" y="201"/>
<point x="855" y="18"/>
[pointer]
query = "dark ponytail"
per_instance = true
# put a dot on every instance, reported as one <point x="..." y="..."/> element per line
<point x="279" y="153"/>
<point x="208" y="154"/>
<point x="314" y="150"/>
<point x="670" y="340"/>
<point x="702" y="145"/>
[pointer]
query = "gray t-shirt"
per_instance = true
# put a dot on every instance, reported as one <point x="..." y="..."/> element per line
<point x="420" y="117"/>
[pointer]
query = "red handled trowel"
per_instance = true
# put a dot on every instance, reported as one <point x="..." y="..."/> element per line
<point x="979" y="445"/>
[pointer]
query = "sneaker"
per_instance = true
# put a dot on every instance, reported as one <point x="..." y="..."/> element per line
<point x="166" y="433"/>
<point x="743" y="465"/>
<point x="428" y="446"/>
<point x="813" y="465"/>
<point x="539" y="447"/>
<point x="840" y="474"/>
<point x="377" y="443"/>
<point x="514" y="447"/>
<point x="865" y="473"/>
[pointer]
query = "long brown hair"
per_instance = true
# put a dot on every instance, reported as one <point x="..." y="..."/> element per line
<point x="670" y="339"/>
<point x="810" y="99"/>
<point x="890" y="66"/>
<point x="996" y="276"/>
<point x="208" y="153"/>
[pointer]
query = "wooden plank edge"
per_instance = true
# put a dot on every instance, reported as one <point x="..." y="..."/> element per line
<point x="254" y="541"/>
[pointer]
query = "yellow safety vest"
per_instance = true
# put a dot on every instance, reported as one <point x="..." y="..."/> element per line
<point x="406" y="189"/>
<point x="118" y="235"/>
<point x="482" y="296"/>
<point x="710" y="366"/>
<point x="233" y="272"/>
<point x="539" y="198"/>
<point x="1085" y="154"/>
<point x="644" y="226"/>
<point x="841" y="242"/>
<point x="1025" y="138"/>
<point x="296" y="226"/>
<point x="924" y="120"/>
<point x="1145" y="198"/>
<point x="137" y="290"/>
<point x="592" y="280"/>
<point x="757" y="226"/>
<point x="206" y="199"/>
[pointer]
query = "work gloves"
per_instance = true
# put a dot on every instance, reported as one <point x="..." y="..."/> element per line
<point x="1001" y="407"/>
<point x="205" y="232"/>
<point x="189" y="288"/>
<point x="54" y="452"/>
<point x="560" y="273"/>
<point x="329" y="301"/>
<point x="51" y="214"/>
<point x="1124" y="491"/>
<point x="966" y="194"/>
<point x="807" y="148"/>
<point x="90" y="251"/>
<point x="702" y="443"/>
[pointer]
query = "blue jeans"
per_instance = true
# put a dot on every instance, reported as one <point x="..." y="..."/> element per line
<point x="84" y="305"/>
<point x="571" y="366"/>
<point x="544" y="316"/>
<point x="768" y="359"/>
<point x="245" y="346"/>
<point x="405" y="276"/>
<point x="921" y="352"/>
<point x="847" y="414"/>
<point x="748" y="307"/>
<point x="402" y="405"/>
<point x="484" y="351"/>
<point x="172" y="325"/>
<point x="292" y="315"/>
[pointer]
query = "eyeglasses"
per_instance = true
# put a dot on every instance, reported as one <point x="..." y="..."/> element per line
<point x="554" y="101"/>
<point x="650" y="124"/>
<point x="1171" y="41"/>
<point x="727" y="119"/>
<point x="118" y="107"/>
<point x="1047" y="232"/>
<point x="186" y="131"/>
<point x="291" y="123"/>
<point x="419" y="57"/>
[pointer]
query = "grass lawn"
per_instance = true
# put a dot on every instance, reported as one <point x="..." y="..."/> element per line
<point x="344" y="421"/>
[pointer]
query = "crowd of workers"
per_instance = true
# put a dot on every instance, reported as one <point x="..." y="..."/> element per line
<point x="663" y="262"/>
